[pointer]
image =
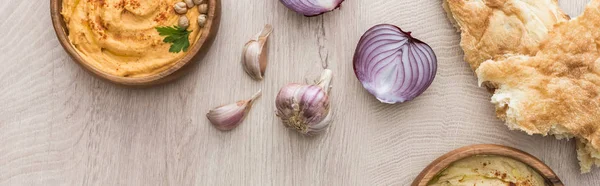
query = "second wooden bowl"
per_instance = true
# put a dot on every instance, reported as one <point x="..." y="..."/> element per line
<point x="444" y="161"/>
<point x="195" y="53"/>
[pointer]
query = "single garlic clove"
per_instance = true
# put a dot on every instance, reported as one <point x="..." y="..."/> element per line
<point x="189" y="3"/>
<point x="180" y="7"/>
<point x="203" y="8"/>
<point x="202" y="20"/>
<point x="227" y="117"/>
<point x="305" y="108"/>
<point x="184" y="22"/>
<point x="254" y="56"/>
<point x="198" y="2"/>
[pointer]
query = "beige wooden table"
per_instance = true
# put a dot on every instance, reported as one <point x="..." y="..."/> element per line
<point x="61" y="126"/>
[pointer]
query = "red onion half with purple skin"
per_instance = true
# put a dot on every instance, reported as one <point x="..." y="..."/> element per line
<point x="392" y="65"/>
<point x="312" y="7"/>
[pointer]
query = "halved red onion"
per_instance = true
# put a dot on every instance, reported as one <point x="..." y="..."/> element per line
<point x="392" y="65"/>
<point x="312" y="7"/>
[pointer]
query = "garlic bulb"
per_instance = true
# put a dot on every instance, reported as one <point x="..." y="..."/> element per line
<point x="254" y="57"/>
<point x="305" y="108"/>
<point x="227" y="117"/>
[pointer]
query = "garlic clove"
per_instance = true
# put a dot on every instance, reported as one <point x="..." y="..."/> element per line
<point x="305" y="108"/>
<point x="254" y="56"/>
<point x="228" y="117"/>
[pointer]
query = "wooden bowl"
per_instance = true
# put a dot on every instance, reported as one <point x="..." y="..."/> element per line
<point x="195" y="53"/>
<point x="486" y="149"/>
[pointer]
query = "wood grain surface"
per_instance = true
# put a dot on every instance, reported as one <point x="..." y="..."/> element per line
<point x="59" y="125"/>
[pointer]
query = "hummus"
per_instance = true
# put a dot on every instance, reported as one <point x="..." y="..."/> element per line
<point x="119" y="37"/>
<point x="488" y="171"/>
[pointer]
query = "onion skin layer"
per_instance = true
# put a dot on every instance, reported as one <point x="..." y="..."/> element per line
<point x="311" y="8"/>
<point x="392" y="65"/>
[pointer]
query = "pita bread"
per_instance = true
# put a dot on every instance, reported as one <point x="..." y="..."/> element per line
<point x="492" y="28"/>
<point x="557" y="91"/>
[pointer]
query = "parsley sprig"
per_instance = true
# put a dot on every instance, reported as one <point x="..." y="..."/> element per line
<point x="177" y="36"/>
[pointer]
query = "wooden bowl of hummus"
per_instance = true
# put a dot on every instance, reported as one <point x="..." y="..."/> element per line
<point x="487" y="164"/>
<point x="118" y="40"/>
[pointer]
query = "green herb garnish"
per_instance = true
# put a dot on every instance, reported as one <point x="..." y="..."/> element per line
<point x="177" y="36"/>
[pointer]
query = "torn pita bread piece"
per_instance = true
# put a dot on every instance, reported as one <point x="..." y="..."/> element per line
<point x="490" y="28"/>
<point x="557" y="91"/>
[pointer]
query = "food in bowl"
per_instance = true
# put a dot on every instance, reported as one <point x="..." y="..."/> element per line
<point x="120" y="37"/>
<point x="488" y="170"/>
<point x="487" y="164"/>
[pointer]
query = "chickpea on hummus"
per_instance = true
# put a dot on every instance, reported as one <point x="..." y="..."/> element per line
<point x="119" y="37"/>
<point x="488" y="171"/>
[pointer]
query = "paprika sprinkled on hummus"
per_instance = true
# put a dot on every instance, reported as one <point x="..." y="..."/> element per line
<point x="488" y="170"/>
<point x="119" y="37"/>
